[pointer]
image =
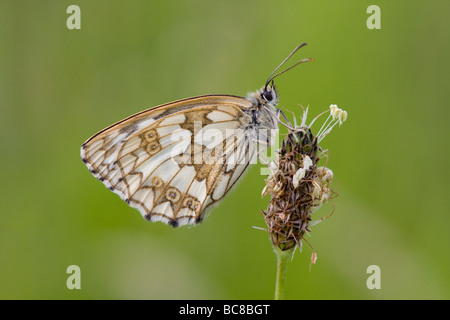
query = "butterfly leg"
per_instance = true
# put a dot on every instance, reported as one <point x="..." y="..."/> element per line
<point x="279" y="111"/>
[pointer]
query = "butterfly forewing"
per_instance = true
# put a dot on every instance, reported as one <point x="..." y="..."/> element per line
<point x="175" y="161"/>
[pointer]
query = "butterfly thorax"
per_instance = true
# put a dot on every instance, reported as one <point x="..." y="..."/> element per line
<point x="264" y="101"/>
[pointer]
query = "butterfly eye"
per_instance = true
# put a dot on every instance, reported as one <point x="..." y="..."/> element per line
<point x="267" y="95"/>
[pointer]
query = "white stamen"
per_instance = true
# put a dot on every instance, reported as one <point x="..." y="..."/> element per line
<point x="277" y="187"/>
<point x="299" y="175"/>
<point x="342" y="117"/>
<point x="337" y="115"/>
<point x="307" y="162"/>
<point x="263" y="193"/>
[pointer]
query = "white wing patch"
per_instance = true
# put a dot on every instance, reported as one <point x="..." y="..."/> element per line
<point x="218" y="116"/>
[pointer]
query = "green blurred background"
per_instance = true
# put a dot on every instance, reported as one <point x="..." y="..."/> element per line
<point x="60" y="86"/>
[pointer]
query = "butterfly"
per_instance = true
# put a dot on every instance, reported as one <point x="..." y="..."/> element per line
<point x="175" y="161"/>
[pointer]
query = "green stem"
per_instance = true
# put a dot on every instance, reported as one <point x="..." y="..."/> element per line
<point x="282" y="259"/>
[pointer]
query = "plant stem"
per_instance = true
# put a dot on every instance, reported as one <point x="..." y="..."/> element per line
<point x="282" y="259"/>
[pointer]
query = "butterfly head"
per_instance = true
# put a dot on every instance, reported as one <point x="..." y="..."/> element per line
<point x="266" y="96"/>
<point x="269" y="95"/>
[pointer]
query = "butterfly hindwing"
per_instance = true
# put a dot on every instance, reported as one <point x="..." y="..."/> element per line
<point x="174" y="161"/>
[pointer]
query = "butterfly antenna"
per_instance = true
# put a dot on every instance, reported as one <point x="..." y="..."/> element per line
<point x="272" y="76"/>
